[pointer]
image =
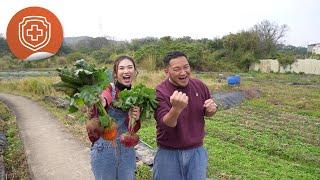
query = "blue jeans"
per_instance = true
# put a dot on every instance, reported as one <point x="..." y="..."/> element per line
<point x="188" y="164"/>
<point x="113" y="163"/>
<point x="109" y="163"/>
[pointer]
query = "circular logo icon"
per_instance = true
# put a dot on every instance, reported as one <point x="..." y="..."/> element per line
<point x="34" y="33"/>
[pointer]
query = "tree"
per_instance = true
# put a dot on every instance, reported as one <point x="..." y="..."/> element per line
<point x="298" y="52"/>
<point x="72" y="57"/>
<point x="64" y="49"/>
<point x="215" y="44"/>
<point x="185" y="39"/>
<point x="230" y="42"/>
<point x="4" y="49"/>
<point x="135" y="44"/>
<point x="270" y="35"/>
<point x="102" y="56"/>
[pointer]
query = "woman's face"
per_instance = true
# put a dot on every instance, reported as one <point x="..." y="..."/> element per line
<point x="125" y="72"/>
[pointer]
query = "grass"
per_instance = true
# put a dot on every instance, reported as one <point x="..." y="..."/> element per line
<point x="143" y="172"/>
<point x="269" y="141"/>
<point x="273" y="137"/>
<point x="30" y="86"/>
<point x="266" y="141"/>
<point x="14" y="158"/>
<point x="74" y="122"/>
<point x="36" y="88"/>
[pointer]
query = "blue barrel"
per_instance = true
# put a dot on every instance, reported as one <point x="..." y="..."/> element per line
<point x="233" y="80"/>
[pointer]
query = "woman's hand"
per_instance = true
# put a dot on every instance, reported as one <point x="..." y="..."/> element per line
<point x="103" y="100"/>
<point x="134" y="113"/>
<point x="94" y="129"/>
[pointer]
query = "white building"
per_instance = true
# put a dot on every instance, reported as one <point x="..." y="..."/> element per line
<point x="314" y="48"/>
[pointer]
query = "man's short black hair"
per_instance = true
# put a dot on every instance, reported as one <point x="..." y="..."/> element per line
<point x="173" y="55"/>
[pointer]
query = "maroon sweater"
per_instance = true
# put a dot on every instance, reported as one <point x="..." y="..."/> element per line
<point x="189" y="131"/>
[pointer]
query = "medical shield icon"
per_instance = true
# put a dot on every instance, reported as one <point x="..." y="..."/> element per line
<point x="34" y="32"/>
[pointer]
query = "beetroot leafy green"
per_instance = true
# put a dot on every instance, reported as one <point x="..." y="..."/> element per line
<point x="84" y="83"/>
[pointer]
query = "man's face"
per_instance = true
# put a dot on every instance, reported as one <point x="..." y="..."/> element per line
<point x="179" y="71"/>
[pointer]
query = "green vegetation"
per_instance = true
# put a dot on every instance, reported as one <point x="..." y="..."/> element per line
<point x="265" y="138"/>
<point x="83" y="84"/>
<point x="37" y="91"/>
<point x="14" y="157"/>
<point x="285" y="59"/>
<point x="140" y="96"/>
<point x="233" y="52"/>
<point x="315" y="56"/>
<point x="33" y="86"/>
<point x="273" y="137"/>
<point x="143" y="172"/>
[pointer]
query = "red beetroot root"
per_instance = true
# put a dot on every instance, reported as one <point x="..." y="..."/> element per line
<point x="129" y="139"/>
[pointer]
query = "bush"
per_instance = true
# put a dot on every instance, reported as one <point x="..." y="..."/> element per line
<point x="72" y="57"/>
<point x="285" y="59"/>
<point x="149" y="63"/>
<point x="246" y="60"/>
<point x="3" y="64"/>
<point x="61" y="61"/>
<point x="27" y="64"/>
<point x="218" y="54"/>
<point x="315" y="56"/>
<point x="102" y="56"/>
<point x="223" y="66"/>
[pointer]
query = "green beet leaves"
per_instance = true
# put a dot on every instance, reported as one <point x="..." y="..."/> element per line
<point x="140" y="96"/>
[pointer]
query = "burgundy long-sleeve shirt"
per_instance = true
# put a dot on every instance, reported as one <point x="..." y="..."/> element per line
<point x="189" y="131"/>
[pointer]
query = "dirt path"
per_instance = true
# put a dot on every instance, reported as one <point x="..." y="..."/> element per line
<point x="52" y="153"/>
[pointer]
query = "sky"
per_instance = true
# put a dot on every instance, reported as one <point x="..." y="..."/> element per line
<point x="128" y="19"/>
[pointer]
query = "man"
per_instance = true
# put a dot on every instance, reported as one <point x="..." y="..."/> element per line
<point x="182" y="104"/>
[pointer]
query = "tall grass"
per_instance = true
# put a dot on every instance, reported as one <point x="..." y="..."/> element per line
<point x="148" y="63"/>
<point x="36" y="86"/>
<point x="150" y="78"/>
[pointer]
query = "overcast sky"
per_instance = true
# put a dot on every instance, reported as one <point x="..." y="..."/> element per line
<point x="127" y="19"/>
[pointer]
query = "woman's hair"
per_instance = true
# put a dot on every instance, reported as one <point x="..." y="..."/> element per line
<point x="117" y="62"/>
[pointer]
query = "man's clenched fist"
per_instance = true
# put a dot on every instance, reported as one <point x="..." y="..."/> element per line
<point x="179" y="100"/>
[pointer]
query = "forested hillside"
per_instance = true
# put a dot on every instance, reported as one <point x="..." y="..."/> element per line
<point x="232" y="52"/>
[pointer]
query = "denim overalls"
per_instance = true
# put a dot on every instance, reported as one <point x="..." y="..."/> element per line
<point x="109" y="162"/>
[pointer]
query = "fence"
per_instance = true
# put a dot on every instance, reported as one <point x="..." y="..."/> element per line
<point x="307" y="66"/>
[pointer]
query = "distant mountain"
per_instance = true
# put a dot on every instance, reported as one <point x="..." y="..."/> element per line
<point x="71" y="41"/>
<point x="302" y="51"/>
<point x="86" y="42"/>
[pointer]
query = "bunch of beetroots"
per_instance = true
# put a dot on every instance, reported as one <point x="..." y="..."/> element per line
<point x="84" y="83"/>
<point x="145" y="99"/>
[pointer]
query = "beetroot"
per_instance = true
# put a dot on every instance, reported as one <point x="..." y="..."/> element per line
<point x="129" y="139"/>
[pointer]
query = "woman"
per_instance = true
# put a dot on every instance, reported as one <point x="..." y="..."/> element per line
<point x="109" y="160"/>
